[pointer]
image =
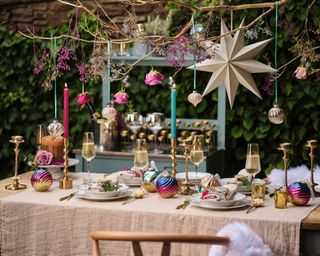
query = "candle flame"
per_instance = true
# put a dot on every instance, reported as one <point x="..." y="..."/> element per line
<point x="65" y="85"/>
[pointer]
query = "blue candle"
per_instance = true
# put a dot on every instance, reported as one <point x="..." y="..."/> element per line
<point x="173" y="111"/>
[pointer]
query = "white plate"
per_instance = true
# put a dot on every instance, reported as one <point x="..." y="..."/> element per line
<point x="191" y="175"/>
<point x="238" y="204"/>
<point x="131" y="182"/>
<point x="106" y="194"/>
<point x="123" y="194"/>
<point x="223" y="203"/>
<point x="72" y="162"/>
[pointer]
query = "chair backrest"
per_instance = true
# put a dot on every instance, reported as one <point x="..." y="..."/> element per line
<point x="166" y="238"/>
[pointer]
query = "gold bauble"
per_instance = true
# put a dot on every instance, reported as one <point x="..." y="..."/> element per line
<point x="276" y="114"/>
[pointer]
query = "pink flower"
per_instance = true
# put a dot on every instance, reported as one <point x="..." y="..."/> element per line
<point x="153" y="78"/>
<point x="121" y="98"/>
<point x="83" y="98"/>
<point x="301" y="73"/>
<point x="44" y="157"/>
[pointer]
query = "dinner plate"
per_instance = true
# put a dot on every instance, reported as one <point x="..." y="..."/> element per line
<point x="72" y="162"/>
<point x="239" y="204"/>
<point x="123" y="194"/>
<point x="131" y="182"/>
<point x="222" y="203"/>
<point x="191" y="175"/>
<point x="105" y="194"/>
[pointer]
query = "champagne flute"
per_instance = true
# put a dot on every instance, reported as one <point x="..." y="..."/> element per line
<point x="155" y="123"/>
<point x="88" y="153"/>
<point x="141" y="160"/>
<point x="197" y="154"/>
<point x="253" y="159"/>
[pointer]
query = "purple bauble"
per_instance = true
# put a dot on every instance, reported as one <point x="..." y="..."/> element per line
<point x="41" y="180"/>
<point x="167" y="186"/>
<point x="299" y="193"/>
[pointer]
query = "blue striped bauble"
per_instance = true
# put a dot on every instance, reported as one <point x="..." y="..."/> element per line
<point x="167" y="186"/>
<point x="299" y="193"/>
<point x="41" y="180"/>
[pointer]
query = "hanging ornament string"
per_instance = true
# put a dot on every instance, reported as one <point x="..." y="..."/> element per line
<point x="194" y="56"/>
<point x="55" y="77"/>
<point x="109" y="73"/>
<point x="276" y="57"/>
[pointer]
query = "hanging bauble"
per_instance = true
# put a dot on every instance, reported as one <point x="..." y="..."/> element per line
<point x="41" y="180"/>
<point x="55" y="128"/>
<point x="276" y="114"/>
<point x="109" y="112"/>
<point x="195" y="98"/>
<point x="299" y="193"/>
<point x="166" y="185"/>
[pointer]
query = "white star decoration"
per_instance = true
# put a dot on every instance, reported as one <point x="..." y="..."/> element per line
<point x="233" y="64"/>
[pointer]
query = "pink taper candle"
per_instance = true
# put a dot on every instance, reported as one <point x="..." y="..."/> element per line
<point x="66" y="111"/>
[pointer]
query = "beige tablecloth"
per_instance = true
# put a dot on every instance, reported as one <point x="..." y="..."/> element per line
<point x="37" y="223"/>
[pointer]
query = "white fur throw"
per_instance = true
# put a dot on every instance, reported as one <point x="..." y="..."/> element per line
<point x="300" y="173"/>
<point x="243" y="242"/>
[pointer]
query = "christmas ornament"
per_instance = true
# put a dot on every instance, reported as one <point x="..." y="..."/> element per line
<point x="299" y="193"/>
<point x="234" y="63"/>
<point x="55" y="128"/>
<point x="41" y="180"/>
<point x="166" y="186"/>
<point x="109" y="112"/>
<point x="195" y="98"/>
<point x="148" y="180"/>
<point x="276" y="115"/>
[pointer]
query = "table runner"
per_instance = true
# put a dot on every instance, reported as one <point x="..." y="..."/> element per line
<point x="37" y="223"/>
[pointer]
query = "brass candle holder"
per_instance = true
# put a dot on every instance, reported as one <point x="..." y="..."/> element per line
<point x="186" y="184"/>
<point x="65" y="183"/>
<point x="174" y="157"/>
<point x="17" y="140"/>
<point x="285" y="147"/>
<point x="312" y="144"/>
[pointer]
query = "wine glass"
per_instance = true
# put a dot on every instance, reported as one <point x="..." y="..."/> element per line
<point x="141" y="160"/>
<point x="155" y="123"/>
<point x="253" y="159"/>
<point x="88" y="153"/>
<point x="134" y="122"/>
<point x="197" y="154"/>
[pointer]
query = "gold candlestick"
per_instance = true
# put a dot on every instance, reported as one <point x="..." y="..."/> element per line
<point x="65" y="183"/>
<point x="312" y="144"/>
<point x="174" y="157"/>
<point x="285" y="148"/>
<point x="15" y="180"/>
<point x="186" y="184"/>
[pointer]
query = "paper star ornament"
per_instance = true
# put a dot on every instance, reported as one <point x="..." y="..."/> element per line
<point x="233" y="64"/>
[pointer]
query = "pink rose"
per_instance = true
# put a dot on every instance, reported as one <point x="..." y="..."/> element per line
<point x="44" y="157"/>
<point x="301" y="73"/>
<point x="153" y="78"/>
<point x="83" y="98"/>
<point x="121" y="98"/>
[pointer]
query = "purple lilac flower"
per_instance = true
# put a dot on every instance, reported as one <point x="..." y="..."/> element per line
<point x="38" y="67"/>
<point x="268" y="85"/>
<point x="84" y="73"/>
<point x="63" y="56"/>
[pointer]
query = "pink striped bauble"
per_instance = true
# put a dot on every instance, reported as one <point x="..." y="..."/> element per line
<point x="41" y="180"/>
<point x="299" y="193"/>
<point x="167" y="186"/>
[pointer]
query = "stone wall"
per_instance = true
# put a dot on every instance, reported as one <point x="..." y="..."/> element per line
<point x="37" y="14"/>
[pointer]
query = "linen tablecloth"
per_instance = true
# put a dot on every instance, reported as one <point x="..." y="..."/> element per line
<point x="37" y="223"/>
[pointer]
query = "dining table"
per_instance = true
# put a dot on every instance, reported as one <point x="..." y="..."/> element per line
<point x="38" y="223"/>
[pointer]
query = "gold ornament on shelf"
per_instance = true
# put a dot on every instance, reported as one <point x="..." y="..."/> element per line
<point x="17" y="140"/>
<point x="195" y="98"/>
<point x="233" y="64"/>
<point x="276" y="115"/>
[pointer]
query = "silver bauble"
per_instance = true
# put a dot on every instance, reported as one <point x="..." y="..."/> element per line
<point x="195" y="98"/>
<point x="276" y="114"/>
<point x="109" y="112"/>
<point x="55" y="128"/>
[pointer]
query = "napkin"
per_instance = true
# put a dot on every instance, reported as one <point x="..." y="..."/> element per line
<point x="225" y="192"/>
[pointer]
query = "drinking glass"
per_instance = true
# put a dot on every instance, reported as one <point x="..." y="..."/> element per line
<point x="88" y="153"/>
<point x="197" y="154"/>
<point x="253" y="159"/>
<point x="134" y="123"/>
<point x="156" y="123"/>
<point x="41" y="132"/>
<point x="141" y="160"/>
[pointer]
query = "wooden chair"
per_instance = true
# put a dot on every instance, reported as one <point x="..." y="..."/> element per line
<point x="166" y="238"/>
